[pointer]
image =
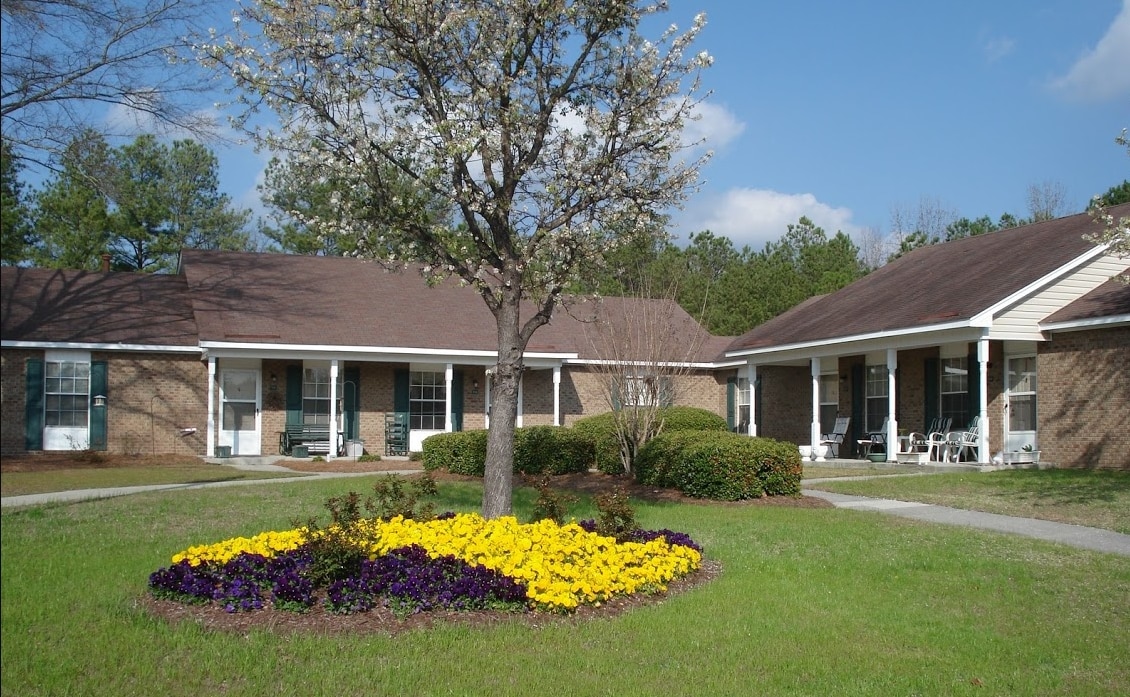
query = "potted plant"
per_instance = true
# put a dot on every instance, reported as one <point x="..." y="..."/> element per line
<point x="1027" y="455"/>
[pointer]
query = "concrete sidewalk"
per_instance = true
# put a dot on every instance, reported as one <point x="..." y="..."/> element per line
<point x="1079" y="536"/>
<point x="1095" y="539"/>
<point x="94" y="494"/>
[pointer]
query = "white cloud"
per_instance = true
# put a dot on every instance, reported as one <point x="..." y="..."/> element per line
<point x="998" y="47"/>
<point x="715" y="126"/>
<point x="755" y="216"/>
<point x="1103" y="73"/>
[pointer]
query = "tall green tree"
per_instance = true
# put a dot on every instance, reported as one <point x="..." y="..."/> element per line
<point x="16" y="238"/>
<point x="142" y="203"/>
<point x="550" y="129"/>
<point x="71" y="216"/>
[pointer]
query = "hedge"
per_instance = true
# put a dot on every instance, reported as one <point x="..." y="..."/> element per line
<point x="722" y="466"/>
<point x="537" y="450"/>
<point x="601" y="430"/>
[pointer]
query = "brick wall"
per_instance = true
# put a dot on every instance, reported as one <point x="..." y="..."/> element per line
<point x="151" y="398"/>
<point x="12" y="398"/>
<point x="1083" y="410"/>
<point x="786" y="403"/>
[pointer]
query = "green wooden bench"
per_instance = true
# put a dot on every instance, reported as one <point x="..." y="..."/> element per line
<point x="316" y="438"/>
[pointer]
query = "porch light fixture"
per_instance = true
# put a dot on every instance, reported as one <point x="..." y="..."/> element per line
<point x="99" y="400"/>
<point x="274" y="383"/>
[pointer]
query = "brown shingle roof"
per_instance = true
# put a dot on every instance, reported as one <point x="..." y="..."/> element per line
<point x="335" y="301"/>
<point x="932" y="285"/>
<point x="51" y="305"/>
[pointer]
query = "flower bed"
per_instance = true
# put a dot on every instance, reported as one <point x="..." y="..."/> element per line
<point x="460" y="562"/>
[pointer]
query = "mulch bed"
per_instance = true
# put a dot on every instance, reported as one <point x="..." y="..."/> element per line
<point x="381" y="620"/>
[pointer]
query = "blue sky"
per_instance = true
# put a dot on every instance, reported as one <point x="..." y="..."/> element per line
<point x="847" y="111"/>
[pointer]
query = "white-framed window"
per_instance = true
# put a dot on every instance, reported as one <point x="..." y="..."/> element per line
<point x="877" y="398"/>
<point x="67" y="393"/>
<point x="427" y="400"/>
<point x="1021" y="393"/>
<point x="829" y="401"/>
<point x="954" y="388"/>
<point x="316" y="393"/>
<point x="743" y="397"/>
<point x="645" y="390"/>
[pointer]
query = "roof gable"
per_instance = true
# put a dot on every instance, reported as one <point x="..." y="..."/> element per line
<point x="940" y="284"/>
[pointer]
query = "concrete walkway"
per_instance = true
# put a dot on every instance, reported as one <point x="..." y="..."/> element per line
<point x="1095" y="539"/>
<point x="1079" y="536"/>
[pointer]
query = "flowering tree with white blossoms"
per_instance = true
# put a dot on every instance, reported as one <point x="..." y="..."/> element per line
<point x="551" y="127"/>
<point x="1116" y="231"/>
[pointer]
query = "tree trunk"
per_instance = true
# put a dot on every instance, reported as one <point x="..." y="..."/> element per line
<point x="498" y="478"/>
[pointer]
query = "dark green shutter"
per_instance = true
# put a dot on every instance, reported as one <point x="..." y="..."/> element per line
<point x="666" y="391"/>
<point x="931" y="388"/>
<point x="731" y="403"/>
<point x="400" y="403"/>
<point x="974" y="380"/>
<point x="98" y="386"/>
<point x="33" y="405"/>
<point x="457" y="401"/>
<point x="293" y="395"/>
<point x="352" y="401"/>
<point x="615" y="395"/>
<point x="755" y="390"/>
<point x="858" y="403"/>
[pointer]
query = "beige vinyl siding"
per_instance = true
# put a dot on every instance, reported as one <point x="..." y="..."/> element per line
<point x="1021" y="322"/>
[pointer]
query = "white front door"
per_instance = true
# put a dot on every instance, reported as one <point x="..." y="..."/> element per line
<point x="1020" y="401"/>
<point x="239" y="411"/>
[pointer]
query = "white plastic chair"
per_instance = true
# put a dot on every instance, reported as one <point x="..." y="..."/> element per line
<point x="958" y="442"/>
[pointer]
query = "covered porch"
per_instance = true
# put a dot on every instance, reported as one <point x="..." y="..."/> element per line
<point x="890" y="387"/>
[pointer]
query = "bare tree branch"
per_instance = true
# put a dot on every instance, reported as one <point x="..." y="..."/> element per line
<point x="66" y="61"/>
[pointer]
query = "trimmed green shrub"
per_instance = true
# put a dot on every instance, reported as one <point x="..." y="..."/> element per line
<point x="723" y="466"/>
<point x="551" y="450"/>
<point x="601" y="430"/>
<point x="692" y="419"/>
<point x="461" y="452"/>
<point x="654" y="458"/>
<point x="537" y="450"/>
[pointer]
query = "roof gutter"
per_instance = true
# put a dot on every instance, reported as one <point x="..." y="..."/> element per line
<point x="91" y="346"/>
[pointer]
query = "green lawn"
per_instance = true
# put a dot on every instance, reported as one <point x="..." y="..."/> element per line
<point x="1096" y="498"/>
<point x="22" y="483"/>
<point x="809" y="602"/>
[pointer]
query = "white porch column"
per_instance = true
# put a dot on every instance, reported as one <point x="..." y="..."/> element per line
<point x="814" y="429"/>
<point x="332" y="452"/>
<point x="556" y="395"/>
<point x="448" y="379"/>
<point x="751" y="375"/>
<point x="518" y="422"/>
<point x="486" y="397"/>
<point x="211" y="428"/>
<point x="892" y="392"/>
<point x="983" y="399"/>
